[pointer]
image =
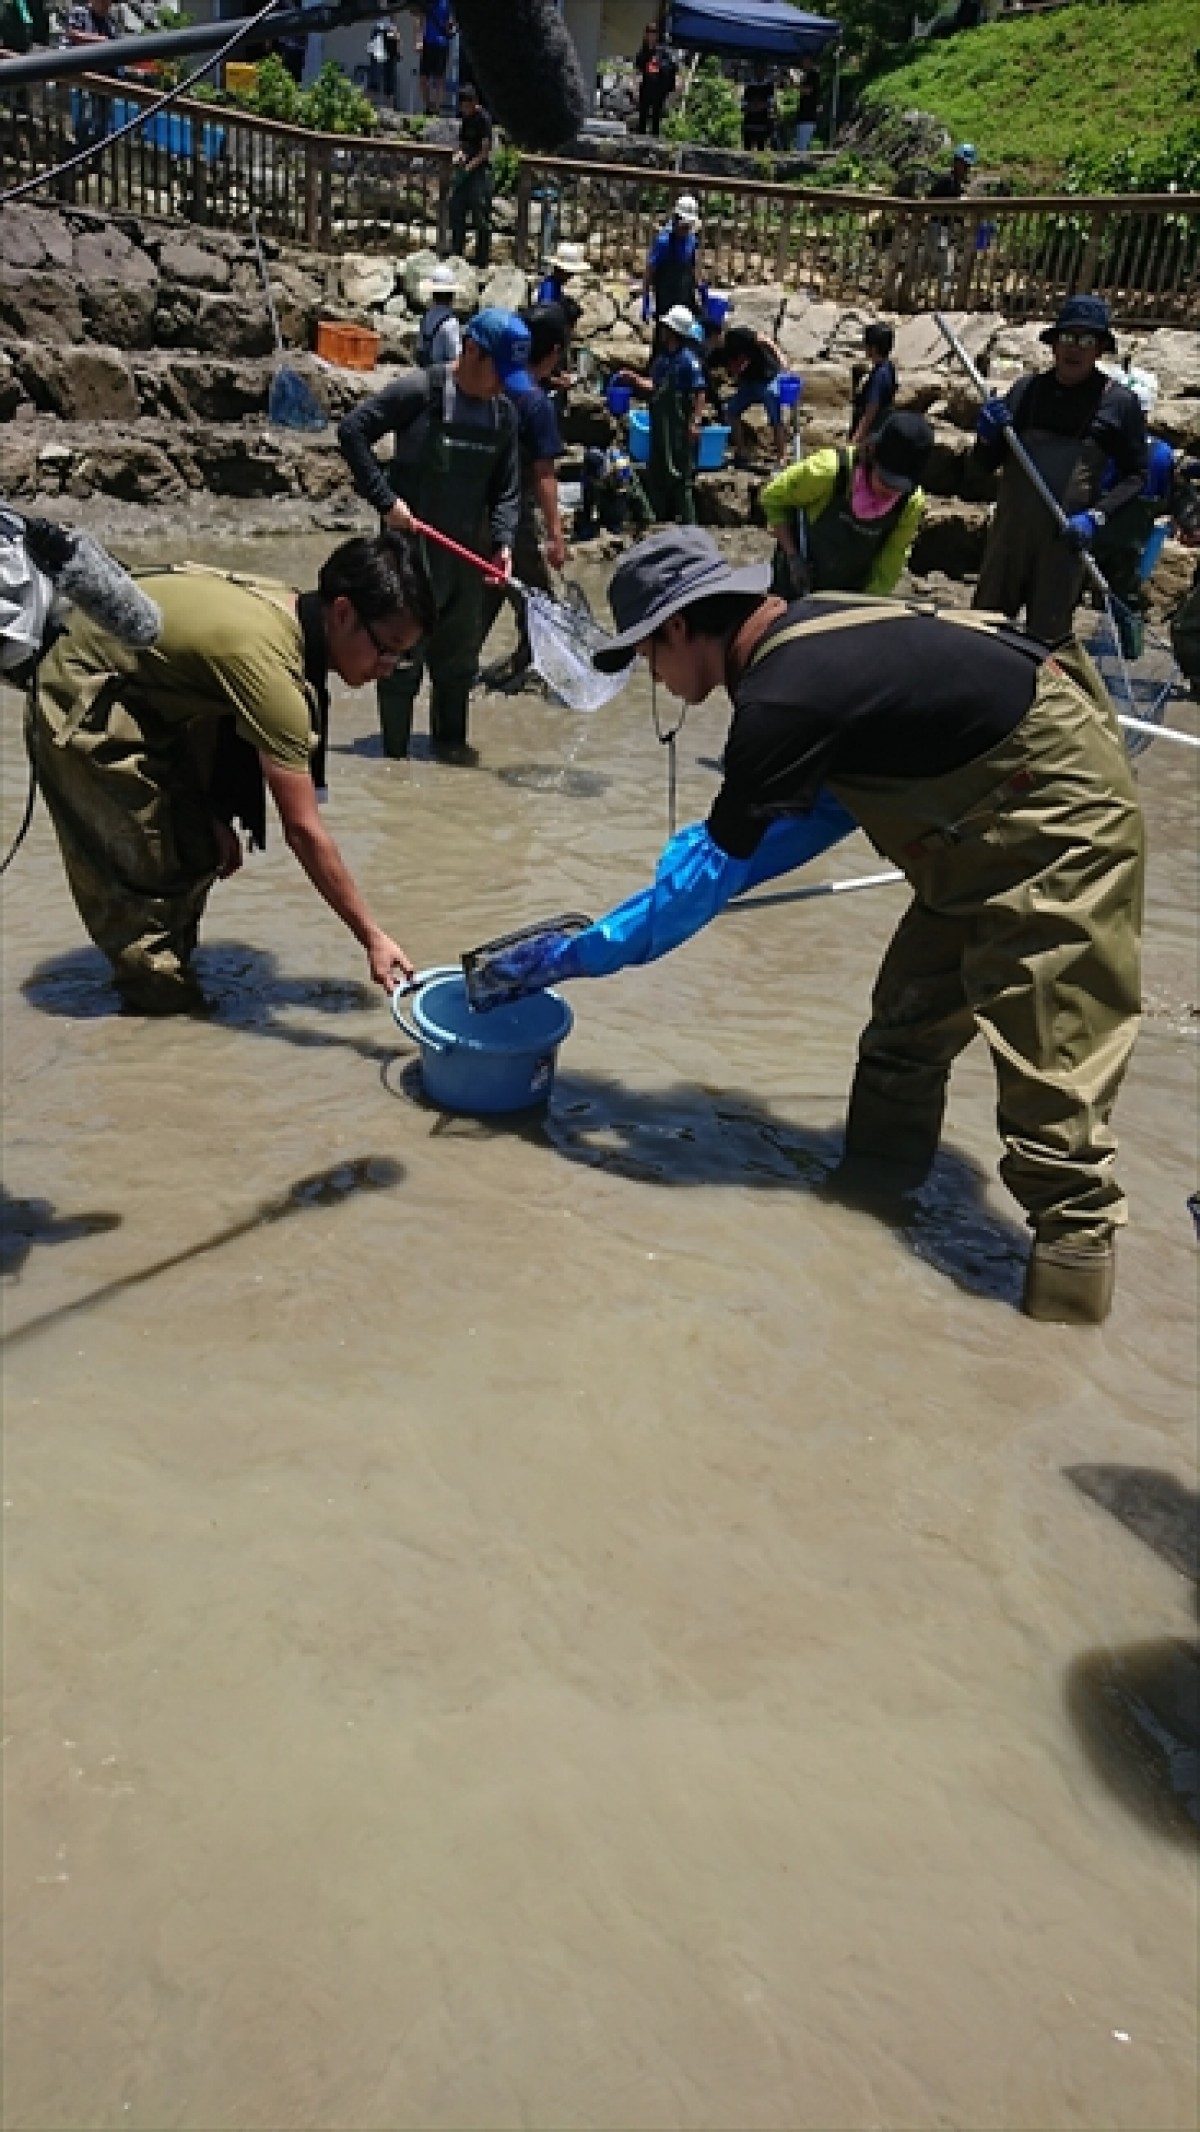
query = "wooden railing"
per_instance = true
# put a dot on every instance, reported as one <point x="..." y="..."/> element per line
<point x="211" y="164"/>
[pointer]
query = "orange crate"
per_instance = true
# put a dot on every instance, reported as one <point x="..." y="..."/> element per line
<point x="353" y="347"/>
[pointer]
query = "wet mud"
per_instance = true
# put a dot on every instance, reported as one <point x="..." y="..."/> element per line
<point x="565" y="1623"/>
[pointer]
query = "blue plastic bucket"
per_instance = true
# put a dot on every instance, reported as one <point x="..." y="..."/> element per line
<point x="716" y="307"/>
<point x="790" y="388"/>
<point x="482" y="1063"/>
<point x="1155" y="544"/>
<point x="639" y="436"/>
<point x="617" y="399"/>
<point x="710" y="449"/>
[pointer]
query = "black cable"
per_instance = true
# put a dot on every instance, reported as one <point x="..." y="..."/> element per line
<point x="169" y="96"/>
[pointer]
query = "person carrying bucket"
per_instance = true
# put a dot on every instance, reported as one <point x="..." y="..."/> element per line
<point x="992" y="773"/>
<point x="758" y="368"/>
<point x="148" y="757"/>
<point x="845" y="520"/>
<point x="455" y="465"/>
<point x="669" y="281"/>
<point x="675" y="389"/>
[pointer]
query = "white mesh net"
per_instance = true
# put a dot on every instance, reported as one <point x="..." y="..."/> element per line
<point x="563" y="639"/>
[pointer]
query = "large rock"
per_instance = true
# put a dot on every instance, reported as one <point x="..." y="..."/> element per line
<point x="588" y="422"/>
<point x="133" y="468"/>
<point x="107" y="254"/>
<point x="11" y="390"/>
<point x="242" y="466"/>
<point x="507" y="288"/>
<point x="18" y="462"/>
<point x="213" y="325"/>
<point x="760" y="306"/>
<point x="366" y="281"/>
<point x="1174" y="357"/>
<point x="1179" y="422"/>
<point x="220" y="392"/>
<point x="34" y="237"/>
<point x="39" y="306"/>
<point x="121" y="313"/>
<point x="949" y="539"/>
<point x="806" y="330"/>
<point x="197" y="265"/>
<point x="78" y="384"/>
<point x="416" y="272"/>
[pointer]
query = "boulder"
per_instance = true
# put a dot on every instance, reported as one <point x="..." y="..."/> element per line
<point x="11" y="389"/>
<point x="760" y="306"/>
<point x="727" y="498"/>
<point x="34" y="237"/>
<point x="39" y="306"/>
<point x="217" y="391"/>
<point x="507" y="288"/>
<point x="121" y="313"/>
<point x="214" y="325"/>
<point x="78" y="384"/>
<point x="366" y="281"/>
<point x="1174" y="357"/>
<point x="107" y="254"/>
<point x="806" y="330"/>
<point x="1016" y="349"/>
<point x="18" y="462"/>
<point x="1179" y="422"/>
<point x="588" y="422"/>
<point x="243" y="466"/>
<point x="196" y="265"/>
<point x="134" y="469"/>
<point x="949" y="539"/>
<point x="600" y="307"/>
<point x="323" y="473"/>
<point x="943" y="471"/>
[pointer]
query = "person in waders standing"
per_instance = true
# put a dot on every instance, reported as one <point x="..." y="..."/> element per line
<point x="670" y="280"/>
<point x="845" y="520"/>
<point x="439" y="337"/>
<point x="455" y="466"/>
<point x="992" y="773"/>
<point x="1072" y="420"/>
<point x="675" y="389"/>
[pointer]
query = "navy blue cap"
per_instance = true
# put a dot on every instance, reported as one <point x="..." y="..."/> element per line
<point x="1083" y="314"/>
<point x="505" y="337"/>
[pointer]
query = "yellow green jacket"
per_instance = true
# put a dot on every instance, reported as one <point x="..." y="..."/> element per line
<point x="811" y="484"/>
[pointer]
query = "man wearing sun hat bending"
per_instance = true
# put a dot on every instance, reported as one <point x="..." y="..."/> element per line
<point x="1073" y="421"/>
<point x="455" y="467"/>
<point x="992" y="774"/>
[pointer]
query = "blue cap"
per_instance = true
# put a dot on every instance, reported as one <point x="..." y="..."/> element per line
<point x="505" y="337"/>
<point x="966" y="152"/>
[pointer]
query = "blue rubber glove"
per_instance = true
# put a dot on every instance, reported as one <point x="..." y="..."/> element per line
<point x="995" y="416"/>
<point x="1080" y="531"/>
<point x="645" y="310"/>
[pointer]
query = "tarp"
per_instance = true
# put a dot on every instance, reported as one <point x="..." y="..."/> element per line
<point x="768" y="29"/>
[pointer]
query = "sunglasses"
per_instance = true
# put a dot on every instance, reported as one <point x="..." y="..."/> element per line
<point x="1072" y="339"/>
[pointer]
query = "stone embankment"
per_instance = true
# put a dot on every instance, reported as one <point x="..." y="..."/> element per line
<point x="136" y="362"/>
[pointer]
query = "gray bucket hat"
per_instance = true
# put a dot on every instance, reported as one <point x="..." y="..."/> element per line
<point x="660" y="576"/>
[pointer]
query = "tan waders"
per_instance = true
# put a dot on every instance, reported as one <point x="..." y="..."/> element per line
<point x="1027" y="870"/>
<point x="135" y="828"/>
<point x="1026" y="563"/>
<point x="449" y="487"/>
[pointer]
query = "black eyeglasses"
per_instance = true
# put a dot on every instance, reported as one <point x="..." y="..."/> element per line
<point x="1073" y="339"/>
<point x="381" y="650"/>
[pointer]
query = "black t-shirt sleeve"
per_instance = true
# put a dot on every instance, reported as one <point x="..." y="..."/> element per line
<point x="777" y="756"/>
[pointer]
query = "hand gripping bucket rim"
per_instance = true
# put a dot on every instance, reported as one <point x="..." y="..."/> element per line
<point x="484" y="1064"/>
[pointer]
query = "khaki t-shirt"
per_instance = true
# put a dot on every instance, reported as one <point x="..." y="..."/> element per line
<point x="227" y="646"/>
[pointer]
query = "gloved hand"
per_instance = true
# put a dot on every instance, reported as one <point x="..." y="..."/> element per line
<point x="790" y="575"/>
<point x="995" y="416"/>
<point x="1080" y="531"/>
<point x="645" y="310"/>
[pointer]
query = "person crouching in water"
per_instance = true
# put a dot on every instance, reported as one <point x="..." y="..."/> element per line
<point x="675" y="389"/>
<point x="991" y="772"/>
<point x="845" y="519"/>
<point x="755" y="364"/>
<point x="147" y="759"/>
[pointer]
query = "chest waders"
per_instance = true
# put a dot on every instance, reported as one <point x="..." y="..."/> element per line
<point x="1026" y="563"/>
<point x="670" y="474"/>
<point x="1027" y="872"/>
<point x="450" y="485"/>
<point x="840" y="549"/>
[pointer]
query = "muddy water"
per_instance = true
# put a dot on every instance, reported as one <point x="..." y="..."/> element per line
<point x="565" y="1626"/>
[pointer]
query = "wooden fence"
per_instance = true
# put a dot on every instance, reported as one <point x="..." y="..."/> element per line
<point x="210" y="164"/>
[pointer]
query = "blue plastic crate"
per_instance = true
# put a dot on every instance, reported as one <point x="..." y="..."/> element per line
<point x="711" y="449"/>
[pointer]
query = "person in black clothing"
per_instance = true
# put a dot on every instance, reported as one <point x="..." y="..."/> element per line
<point x="758" y="109"/>
<point x="656" y="68"/>
<point x="875" y="384"/>
<point x="1072" y="420"/>
<point x="808" y="106"/>
<point x="940" y="249"/>
<point x="471" y="191"/>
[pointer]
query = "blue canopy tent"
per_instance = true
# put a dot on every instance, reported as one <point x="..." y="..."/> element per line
<point x="750" y="29"/>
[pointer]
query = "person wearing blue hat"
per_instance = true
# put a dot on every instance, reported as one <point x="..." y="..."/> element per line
<point x="1073" y="420"/>
<point x="454" y="466"/>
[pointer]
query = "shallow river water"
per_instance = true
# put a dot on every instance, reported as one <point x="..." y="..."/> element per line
<point x="563" y="1625"/>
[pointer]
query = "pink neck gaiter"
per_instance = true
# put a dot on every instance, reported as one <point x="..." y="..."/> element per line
<point x="863" y="500"/>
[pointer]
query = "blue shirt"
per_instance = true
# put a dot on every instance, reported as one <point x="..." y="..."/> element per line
<point x="437" y="23"/>
<point x="682" y="369"/>
<point x="537" y="426"/>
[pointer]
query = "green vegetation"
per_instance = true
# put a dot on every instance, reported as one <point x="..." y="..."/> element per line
<point x="332" y="105"/>
<point x="1080" y="88"/>
<point x="712" y="114"/>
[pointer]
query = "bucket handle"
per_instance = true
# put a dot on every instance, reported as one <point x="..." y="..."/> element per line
<point x="414" y="984"/>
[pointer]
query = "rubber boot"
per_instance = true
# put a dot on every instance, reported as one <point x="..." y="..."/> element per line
<point x="448" y="703"/>
<point x="1070" y="1284"/>
<point x="893" y="1139"/>
<point x="395" y="715"/>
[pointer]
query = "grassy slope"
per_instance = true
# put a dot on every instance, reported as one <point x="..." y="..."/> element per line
<point x="1028" y="89"/>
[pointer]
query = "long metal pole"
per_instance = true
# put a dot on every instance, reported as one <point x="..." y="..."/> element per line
<point x="117" y="52"/>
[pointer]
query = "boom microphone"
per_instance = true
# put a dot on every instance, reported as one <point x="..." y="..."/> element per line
<point x="82" y="572"/>
<point x="526" y="69"/>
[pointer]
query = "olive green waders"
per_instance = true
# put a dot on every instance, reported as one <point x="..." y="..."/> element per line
<point x="134" y="823"/>
<point x="1027" y="871"/>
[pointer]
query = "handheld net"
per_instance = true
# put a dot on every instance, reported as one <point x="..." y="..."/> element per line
<point x="563" y="638"/>
<point x="1137" y="666"/>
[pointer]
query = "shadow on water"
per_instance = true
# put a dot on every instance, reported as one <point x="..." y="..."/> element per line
<point x="324" y="1188"/>
<point x="560" y="778"/>
<point x="26" y="1222"/>
<point x="1136" y="1709"/>
<point x="245" y="985"/>
<point x="689" y="1135"/>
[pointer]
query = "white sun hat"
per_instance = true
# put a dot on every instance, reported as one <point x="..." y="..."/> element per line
<point x="570" y="259"/>
<point x="443" y="278"/>
<point x="686" y="209"/>
<point x="679" y="320"/>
